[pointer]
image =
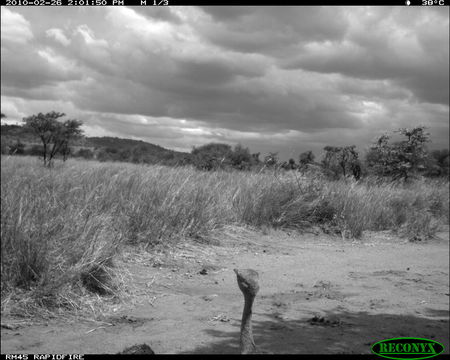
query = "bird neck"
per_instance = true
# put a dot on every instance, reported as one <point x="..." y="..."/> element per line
<point x="247" y="342"/>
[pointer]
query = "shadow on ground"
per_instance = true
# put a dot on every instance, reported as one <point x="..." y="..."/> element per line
<point x="332" y="333"/>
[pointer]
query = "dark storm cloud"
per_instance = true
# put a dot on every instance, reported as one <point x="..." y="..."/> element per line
<point x="29" y="71"/>
<point x="428" y="83"/>
<point x="273" y="30"/>
<point x="158" y="13"/>
<point x="248" y="109"/>
<point x="211" y="73"/>
<point x="227" y="13"/>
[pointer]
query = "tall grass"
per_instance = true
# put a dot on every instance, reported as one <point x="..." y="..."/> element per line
<point x="64" y="226"/>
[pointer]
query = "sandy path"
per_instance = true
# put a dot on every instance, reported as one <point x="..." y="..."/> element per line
<point x="357" y="292"/>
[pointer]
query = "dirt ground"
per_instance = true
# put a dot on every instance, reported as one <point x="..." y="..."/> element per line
<point x="318" y="294"/>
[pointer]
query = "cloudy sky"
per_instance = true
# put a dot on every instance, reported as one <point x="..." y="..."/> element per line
<point x="286" y="79"/>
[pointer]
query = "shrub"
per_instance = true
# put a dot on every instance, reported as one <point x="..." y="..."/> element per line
<point x="84" y="153"/>
<point x="17" y="148"/>
<point x="36" y="150"/>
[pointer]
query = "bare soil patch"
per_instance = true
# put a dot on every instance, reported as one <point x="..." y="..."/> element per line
<point x="318" y="294"/>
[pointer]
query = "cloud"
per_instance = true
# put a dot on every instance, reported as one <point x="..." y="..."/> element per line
<point x="161" y="13"/>
<point x="58" y="35"/>
<point x="410" y="54"/>
<point x="89" y="37"/>
<point x="275" y="31"/>
<point x="284" y="79"/>
<point x="15" y="28"/>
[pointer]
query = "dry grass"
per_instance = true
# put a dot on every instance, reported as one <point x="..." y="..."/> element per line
<point x="62" y="228"/>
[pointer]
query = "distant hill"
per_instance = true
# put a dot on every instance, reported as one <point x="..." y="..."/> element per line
<point x="136" y="151"/>
<point x="101" y="148"/>
<point x="15" y="132"/>
<point x="120" y="143"/>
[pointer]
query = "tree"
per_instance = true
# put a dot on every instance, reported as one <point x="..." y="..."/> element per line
<point x="292" y="164"/>
<point x="356" y="169"/>
<point x="255" y="158"/>
<point x="55" y="135"/>
<point x="67" y="131"/>
<point x="401" y="159"/>
<point x="288" y="165"/>
<point x="305" y="159"/>
<point x="271" y="159"/>
<point x="212" y="156"/>
<point x="437" y="163"/>
<point x="65" y="151"/>
<point x="241" y="158"/>
<point x="341" y="160"/>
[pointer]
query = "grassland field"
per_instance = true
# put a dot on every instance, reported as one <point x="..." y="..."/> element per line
<point x="65" y="230"/>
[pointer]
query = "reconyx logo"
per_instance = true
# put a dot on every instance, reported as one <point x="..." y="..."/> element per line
<point x="407" y="348"/>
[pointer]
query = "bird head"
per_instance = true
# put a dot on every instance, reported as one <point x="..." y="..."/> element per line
<point x="248" y="281"/>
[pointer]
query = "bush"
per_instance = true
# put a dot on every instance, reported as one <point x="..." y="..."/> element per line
<point x="36" y="150"/>
<point x="212" y="156"/>
<point x="17" y="148"/>
<point x="215" y="156"/>
<point x="85" y="153"/>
